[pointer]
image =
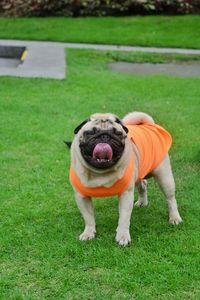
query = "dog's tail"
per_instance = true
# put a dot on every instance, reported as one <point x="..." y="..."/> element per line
<point x="136" y="117"/>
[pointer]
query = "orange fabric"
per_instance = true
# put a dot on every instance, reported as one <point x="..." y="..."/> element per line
<point x="153" y="143"/>
<point x="116" y="189"/>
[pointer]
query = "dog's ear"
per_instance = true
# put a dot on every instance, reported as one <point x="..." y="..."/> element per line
<point x="76" y="130"/>
<point x="117" y="120"/>
<point x="68" y="143"/>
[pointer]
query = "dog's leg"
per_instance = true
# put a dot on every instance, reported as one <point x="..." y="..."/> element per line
<point x="126" y="201"/>
<point x="142" y="190"/>
<point x="164" y="177"/>
<point x="86" y="209"/>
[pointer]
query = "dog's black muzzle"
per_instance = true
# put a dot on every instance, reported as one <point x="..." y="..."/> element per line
<point x="114" y="138"/>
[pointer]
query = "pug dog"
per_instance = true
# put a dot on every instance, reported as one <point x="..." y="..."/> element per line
<point x="110" y="157"/>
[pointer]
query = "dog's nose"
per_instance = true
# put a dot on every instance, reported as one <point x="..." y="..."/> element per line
<point x="105" y="138"/>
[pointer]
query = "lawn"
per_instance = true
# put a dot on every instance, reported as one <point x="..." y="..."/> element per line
<point x="41" y="256"/>
<point x="160" y="31"/>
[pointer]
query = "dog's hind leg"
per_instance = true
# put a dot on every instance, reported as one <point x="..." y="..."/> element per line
<point x="142" y="190"/>
<point x="86" y="208"/>
<point x="164" y="177"/>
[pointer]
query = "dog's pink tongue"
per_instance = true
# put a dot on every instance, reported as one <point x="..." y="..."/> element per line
<point x="102" y="151"/>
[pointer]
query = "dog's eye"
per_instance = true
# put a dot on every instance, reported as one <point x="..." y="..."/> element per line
<point x="118" y="133"/>
<point x="90" y="132"/>
<point x="115" y="131"/>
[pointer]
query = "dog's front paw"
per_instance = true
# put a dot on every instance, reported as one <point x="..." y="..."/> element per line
<point x="88" y="234"/>
<point x="123" y="237"/>
<point x="141" y="203"/>
<point x="175" y="219"/>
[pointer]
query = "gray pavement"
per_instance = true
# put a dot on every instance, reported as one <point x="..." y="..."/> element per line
<point x="47" y="59"/>
<point x="132" y="48"/>
<point x="183" y="69"/>
<point x="9" y="63"/>
<point x="43" y="60"/>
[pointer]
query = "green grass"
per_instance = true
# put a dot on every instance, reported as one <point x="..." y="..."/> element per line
<point x="41" y="256"/>
<point x="142" y="57"/>
<point x="161" y="31"/>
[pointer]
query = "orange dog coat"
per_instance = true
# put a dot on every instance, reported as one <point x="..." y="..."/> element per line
<point x="153" y="143"/>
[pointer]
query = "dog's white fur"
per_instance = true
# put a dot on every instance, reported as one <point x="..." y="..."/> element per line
<point x="93" y="178"/>
<point x="136" y="117"/>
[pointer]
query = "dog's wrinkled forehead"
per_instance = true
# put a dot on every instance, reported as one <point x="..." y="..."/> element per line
<point x="101" y="121"/>
<point x="104" y="121"/>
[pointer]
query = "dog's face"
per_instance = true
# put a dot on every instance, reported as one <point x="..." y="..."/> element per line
<point x="101" y="140"/>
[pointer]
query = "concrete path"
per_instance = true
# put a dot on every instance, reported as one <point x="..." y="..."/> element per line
<point x="132" y="48"/>
<point x="8" y="63"/>
<point x="182" y="69"/>
<point x="102" y="47"/>
<point x="47" y="59"/>
<point x="43" y="60"/>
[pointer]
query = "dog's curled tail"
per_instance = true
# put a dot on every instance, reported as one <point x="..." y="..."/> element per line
<point x="137" y="117"/>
